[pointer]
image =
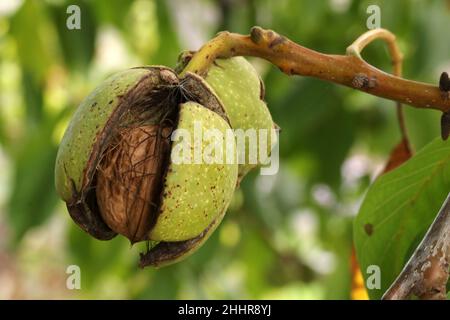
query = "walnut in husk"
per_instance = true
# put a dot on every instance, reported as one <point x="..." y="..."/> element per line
<point x="114" y="167"/>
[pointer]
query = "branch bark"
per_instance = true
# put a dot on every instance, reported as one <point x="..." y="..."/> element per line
<point x="348" y="70"/>
<point x="427" y="271"/>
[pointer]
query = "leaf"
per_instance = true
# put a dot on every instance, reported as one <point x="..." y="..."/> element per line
<point x="35" y="38"/>
<point x="169" y="46"/>
<point x="398" y="209"/>
<point x="33" y="97"/>
<point x="77" y="45"/>
<point x="98" y="258"/>
<point x="33" y="194"/>
<point x="108" y="12"/>
<point x="315" y="125"/>
<point x="2" y="132"/>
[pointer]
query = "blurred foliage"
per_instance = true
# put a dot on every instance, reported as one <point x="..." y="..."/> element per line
<point x="285" y="236"/>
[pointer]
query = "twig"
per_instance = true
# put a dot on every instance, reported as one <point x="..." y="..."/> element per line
<point x="291" y="58"/>
<point x="427" y="271"/>
<point x="397" y="60"/>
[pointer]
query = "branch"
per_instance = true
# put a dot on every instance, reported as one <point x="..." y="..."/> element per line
<point x="427" y="271"/>
<point x="291" y="58"/>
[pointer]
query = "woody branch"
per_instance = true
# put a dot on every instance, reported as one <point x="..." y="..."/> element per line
<point x="293" y="59"/>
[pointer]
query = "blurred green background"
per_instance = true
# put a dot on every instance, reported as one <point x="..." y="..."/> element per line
<point x="284" y="237"/>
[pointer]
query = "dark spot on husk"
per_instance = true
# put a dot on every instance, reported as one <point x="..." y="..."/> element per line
<point x="368" y="228"/>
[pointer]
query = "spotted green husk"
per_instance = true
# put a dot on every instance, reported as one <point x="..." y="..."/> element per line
<point x="237" y="84"/>
<point x="194" y="194"/>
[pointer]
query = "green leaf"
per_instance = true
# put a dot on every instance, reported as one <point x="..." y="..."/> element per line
<point x="99" y="258"/>
<point x="108" y="12"/>
<point x="33" y="97"/>
<point x="2" y="132"/>
<point x="169" y="47"/>
<point x="33" y="195"/>
<point x="315" y="123"/>
<point x="397" y="211"/>
<point x="77" y="45"/>
<point x="35" y="38"/>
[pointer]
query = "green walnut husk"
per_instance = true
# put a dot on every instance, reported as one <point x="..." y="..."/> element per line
<point x="114" y="166"/>
<point x="239" y="87"/>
